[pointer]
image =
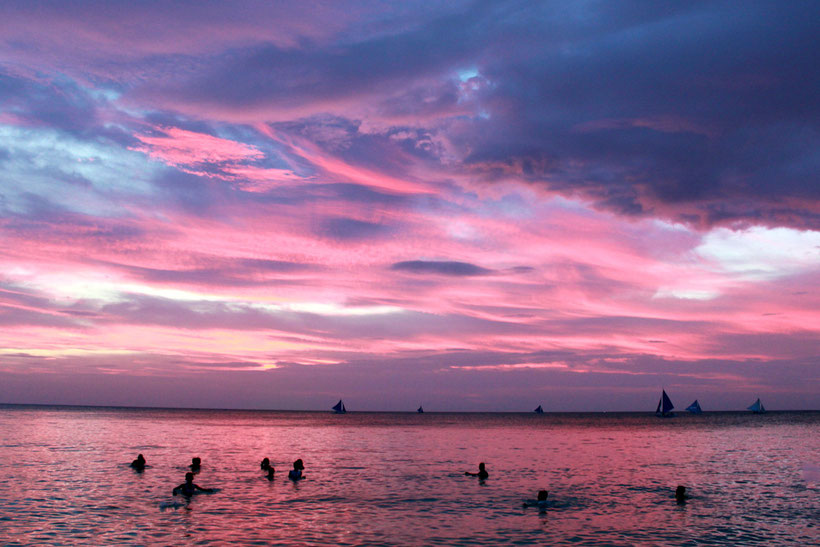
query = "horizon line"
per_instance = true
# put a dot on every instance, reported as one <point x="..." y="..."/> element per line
<point x="330" y="410"/>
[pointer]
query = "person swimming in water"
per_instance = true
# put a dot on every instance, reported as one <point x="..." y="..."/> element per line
<point x="482" y="473"/>
<point x="680" y="494"/>
<point x="139" y="463"/>
<point x="271" y="473"/>
<point x="265" y="465"/>
<point x="541" y="502"/>
<point x="196" y="463"/>
<point x="296" y="473"/>
<point x="188" y="488"/>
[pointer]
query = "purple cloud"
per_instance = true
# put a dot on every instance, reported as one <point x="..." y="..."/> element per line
<point x="451" y="268"/>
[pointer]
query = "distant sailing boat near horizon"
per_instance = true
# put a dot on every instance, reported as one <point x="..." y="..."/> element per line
<point x="339" y="408"/>
<point x="539" y="410"/>
<point x="665" y="406"/>
<point x="757" y="407"/>
<point x="420" y="410"/>
<point x="694" y="408"/>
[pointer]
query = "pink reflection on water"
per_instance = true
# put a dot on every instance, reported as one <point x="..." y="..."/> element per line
<point x="398" y="478"/>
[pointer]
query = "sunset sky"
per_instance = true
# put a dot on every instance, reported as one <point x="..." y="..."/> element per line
<point x="465" y="205"/>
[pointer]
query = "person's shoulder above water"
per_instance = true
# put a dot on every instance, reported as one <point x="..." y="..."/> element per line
<point x="188" y="488"/>
<point x="139" y="463"/>
<point x="482" y="472"/>
<point x="540" y="502"/>
<point x="296" y="473"/>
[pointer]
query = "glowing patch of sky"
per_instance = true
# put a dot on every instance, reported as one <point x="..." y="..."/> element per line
<point x="79" y="175"/>
<point x="759" y="253"/>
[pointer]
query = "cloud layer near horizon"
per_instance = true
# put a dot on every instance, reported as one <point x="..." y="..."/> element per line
<point x="473" y="204"/>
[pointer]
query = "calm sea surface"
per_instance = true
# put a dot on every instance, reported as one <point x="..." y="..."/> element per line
<point x="388" y="478"/>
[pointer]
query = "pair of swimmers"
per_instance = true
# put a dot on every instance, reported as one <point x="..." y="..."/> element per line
<point x="294" y="474"/>
<point x="139" y="463"/>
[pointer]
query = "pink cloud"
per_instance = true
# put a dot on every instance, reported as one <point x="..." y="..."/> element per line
<point x="180" y="147"/>
<point x="337" y="188"/>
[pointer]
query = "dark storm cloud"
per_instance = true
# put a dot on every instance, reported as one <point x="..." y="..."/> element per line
<point x="682" y="115"/>
<point x="702" y="112"/>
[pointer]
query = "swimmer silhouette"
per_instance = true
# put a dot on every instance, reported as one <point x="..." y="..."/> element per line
<point x="680" y="494"/>
<point x="296" y="473"/>
<point x="196" y="463"/>
<point x="188" y="488"/>
<point x="271" y="473"/>
<point x="265" y="465"/>
<point x="139" y="463"/>
<point x="541" y="502"/>
<point x="482" y="473"/>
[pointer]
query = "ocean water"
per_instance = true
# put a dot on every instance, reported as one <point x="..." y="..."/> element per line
<point x="398" y="479"/>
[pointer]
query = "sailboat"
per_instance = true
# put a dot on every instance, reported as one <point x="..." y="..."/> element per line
<point x="420" y="410"/>
<point x="539" y="410"/>
<point x="694" y="408"/>
<point x="665" y="406"/>
<point x="757" y="407"/>
<point x="339" y="408"/>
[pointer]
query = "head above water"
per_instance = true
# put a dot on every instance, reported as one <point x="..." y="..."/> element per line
<point x="542" y="495"/>
<point x="140" y="458"/>
<point x="680" y="491"/>
<point x="189" y="477"/>
<point x="196" y="462"/>
<point x="481" y="466"/>
<point x="298" y="464"/>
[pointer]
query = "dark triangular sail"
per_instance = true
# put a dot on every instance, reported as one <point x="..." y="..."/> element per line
<point x="757" y="407"/>
<point x="694" y="408"/>
<point x="539" y="410"/>
<point x="420" y="410"/>
<point x="339" y="408"/>
<point x="665" y="405"/>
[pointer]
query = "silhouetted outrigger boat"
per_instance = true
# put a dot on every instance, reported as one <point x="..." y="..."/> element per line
<point x="665" y="406"/>
<point x="339" y="408"/>
<point x="420" y="410"/>
<point x="757" y="407"/>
